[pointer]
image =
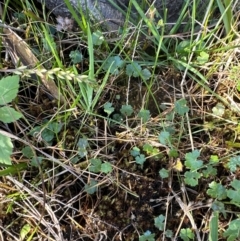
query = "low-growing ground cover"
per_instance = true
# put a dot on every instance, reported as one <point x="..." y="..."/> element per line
<point x="119" y="136"/>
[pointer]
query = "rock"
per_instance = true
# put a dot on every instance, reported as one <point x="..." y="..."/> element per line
<point x="106" y="14"/>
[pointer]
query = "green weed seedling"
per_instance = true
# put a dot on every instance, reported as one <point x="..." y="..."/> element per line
<point x="186" y="234"/>
<point x="234" y="163"/>
<point x="160" y="222"/>
<point x="147" y="236"/>
<point x="233" y="231"/>
<point x="194" y="165"/>
<point x="91" y="187"/>
<point x="185" y="48"/>
<point x="113" y="64"/>
<point x="164" y="173"/>
<point x="197" y="169"/>
<point x="217" y="191"/>
<point x="144" y="115"/>
<point x="76" y="56"/>
<point x="82" y="147"/>
<point x="222" y="195"/>
<point x="97" y="38"/>
<point x="150" y="150"/>
<point x="180" y="107"/>
<point x="139" y="158"/>
<point x="165" y="138"/>
<point x="47" y="131"/>
<point x="98" y="166"/>
<point x="135" y="70"/>
<point x="108" y="108"/>
<point x="126" y="110"/>
<point x="8" y="88"/>
<point x="35" y="161"/>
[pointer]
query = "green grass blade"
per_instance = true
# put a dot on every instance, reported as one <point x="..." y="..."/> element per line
<point x="81" y="24"/>
<point x="101" y="88"/>
<point x="213" y="235"/>
<point x="14" y="169"/>
<point x="86" y="89"/>
<point x="180" y="18"/>
<point x="53" y="49"/>
<point x="91" y="54"/>
<point x="150" y="25"/>
<point x="226" y="13"/>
